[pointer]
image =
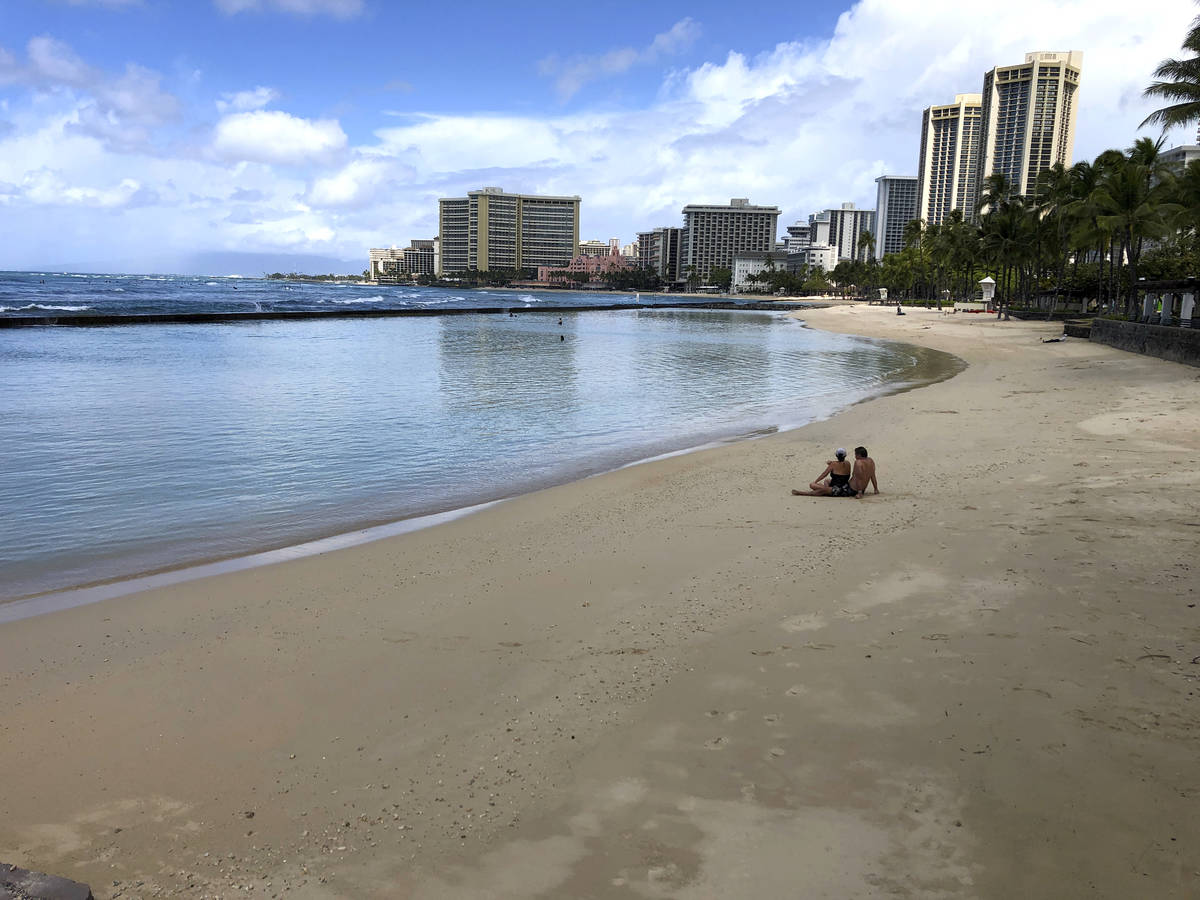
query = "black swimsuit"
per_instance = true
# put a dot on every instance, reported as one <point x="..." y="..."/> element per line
<point x="839" y="485"/>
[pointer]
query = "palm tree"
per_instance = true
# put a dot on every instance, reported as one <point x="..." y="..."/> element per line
<point x="1135" y="207"/>
<point x="1179" y="85"/>
<point x="866" y="246"/>
<point x="1008" y="236"/>
<point x="996" y="189"/>
<point x="1054" y="196"/>
<point x="1187" y="195"/>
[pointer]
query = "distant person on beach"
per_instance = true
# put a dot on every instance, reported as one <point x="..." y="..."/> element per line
<point x="833" y="481"/>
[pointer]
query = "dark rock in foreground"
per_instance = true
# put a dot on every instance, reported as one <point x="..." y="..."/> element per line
<point x="20" y="884"/>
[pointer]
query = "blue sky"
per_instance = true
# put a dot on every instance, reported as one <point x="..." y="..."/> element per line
<point x="154" y="134"/>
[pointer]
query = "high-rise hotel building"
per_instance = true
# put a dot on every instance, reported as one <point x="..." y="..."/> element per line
<point x="491" y="229"/>
<point x="948" y="169"/>
<point x="895" y="207"/>
<point x="1028" y="118"/>
<point x="842" y="230"/>
<point x="659" y="251"/>
<point x="712" y="235"/>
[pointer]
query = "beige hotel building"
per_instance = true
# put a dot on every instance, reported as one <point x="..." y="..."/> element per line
<point x="1028" y="117"/>
<point x="948" y="168"/>
<point x="490" y="229"/>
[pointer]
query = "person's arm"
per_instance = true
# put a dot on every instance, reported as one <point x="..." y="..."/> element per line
<point x="874" y="483"/>
<point x="822" y="476"/>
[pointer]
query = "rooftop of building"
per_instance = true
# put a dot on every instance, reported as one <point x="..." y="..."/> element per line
<point x="500" y="192"/>
<point x="1070" y="58"/>
<point x="738" y="204"/>
<point x="760" y="254"/>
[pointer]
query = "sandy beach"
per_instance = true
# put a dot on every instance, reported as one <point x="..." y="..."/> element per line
<point x="678" y="680"/>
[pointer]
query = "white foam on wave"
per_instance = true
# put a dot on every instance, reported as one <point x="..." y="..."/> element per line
<point x="376" y="299"/>
<point x="529" y="298"/>
<point x="118" y="290"/>
<point x="43" y="306"/>
<point x="212" y="283"/>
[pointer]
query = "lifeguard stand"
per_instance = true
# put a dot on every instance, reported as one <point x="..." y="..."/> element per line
<point x="987" y="286"/>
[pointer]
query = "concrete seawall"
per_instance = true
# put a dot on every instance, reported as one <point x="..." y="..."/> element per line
<point x="91" y="321"/>
<point x="1176" y="344"/>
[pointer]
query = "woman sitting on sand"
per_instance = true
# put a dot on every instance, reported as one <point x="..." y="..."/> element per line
<point x="833" y="482"/>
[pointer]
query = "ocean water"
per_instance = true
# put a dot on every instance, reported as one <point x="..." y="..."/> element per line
<point x="47" y="293"/>
<point x="125" y="450"/>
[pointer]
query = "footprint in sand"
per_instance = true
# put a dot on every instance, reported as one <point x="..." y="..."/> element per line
<point x="775" y="752"/>
<point x="717" y="743"/>
<point x="771" y="718"/>
<point x="804" y="622"/>
<point x="796" y="690"/>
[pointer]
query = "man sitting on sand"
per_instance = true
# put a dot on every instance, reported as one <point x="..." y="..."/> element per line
<point x="863" y="474"/>
<point x="838" y="484"/>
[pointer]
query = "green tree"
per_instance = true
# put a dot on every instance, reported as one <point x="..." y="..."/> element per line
<point x="1179" y="84"/>
<point x="721" y="277"/>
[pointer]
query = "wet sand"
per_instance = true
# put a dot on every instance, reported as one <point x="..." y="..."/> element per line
<point x="677" y="680"/>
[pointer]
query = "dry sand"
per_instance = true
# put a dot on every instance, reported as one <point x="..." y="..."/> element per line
<point x="677" y="680"/>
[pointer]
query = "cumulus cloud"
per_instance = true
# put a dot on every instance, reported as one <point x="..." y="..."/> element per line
<point x="55" y="62"/>
<point x="48" y="187"/>
<point x="803" y="125"/>
<point x="244" y="101"/>
<point x="119" y="109"/>
<point x="574" y="72"/>
<point x="273" y="136"/>
<point x="341" y="9"/>
<point x="360" y="182"/>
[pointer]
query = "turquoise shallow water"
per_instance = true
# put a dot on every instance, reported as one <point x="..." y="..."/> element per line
<point x="124" y="450"/>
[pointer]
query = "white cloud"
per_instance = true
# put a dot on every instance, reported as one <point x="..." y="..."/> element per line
<point x="244" y="101"/>
<point x="341" y="9"/>
<point x="273" y="136"/>
<point x="48" y="187"/>
<point x="802" y="125"/>
<point x="574" y="72"/>
<point x="53" y="61"/>
<point x="136" y="96"/>
<point x="359" y="183"/>
<point x="117" y="109"/>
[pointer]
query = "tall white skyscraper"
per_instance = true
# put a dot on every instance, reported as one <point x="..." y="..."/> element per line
<point x="842" y="229"/>
<point x="948" y="169"/>
<point x="895" y="207"/>
<point x="1028" y="117"/>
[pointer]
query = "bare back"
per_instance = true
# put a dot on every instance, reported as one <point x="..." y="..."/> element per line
<point x="863" y="474"/>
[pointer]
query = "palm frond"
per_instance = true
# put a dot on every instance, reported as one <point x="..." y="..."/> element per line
<point x="1173" y="116"/>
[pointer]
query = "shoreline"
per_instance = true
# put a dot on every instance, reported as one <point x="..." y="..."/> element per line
<point x="927" y="370"/>
<point x="674" y="679"/>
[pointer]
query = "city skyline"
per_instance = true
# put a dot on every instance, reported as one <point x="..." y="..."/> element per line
<point x="272" y="129"/>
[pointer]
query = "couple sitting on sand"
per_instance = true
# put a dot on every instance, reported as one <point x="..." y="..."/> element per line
<point x="841" y="480"/>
